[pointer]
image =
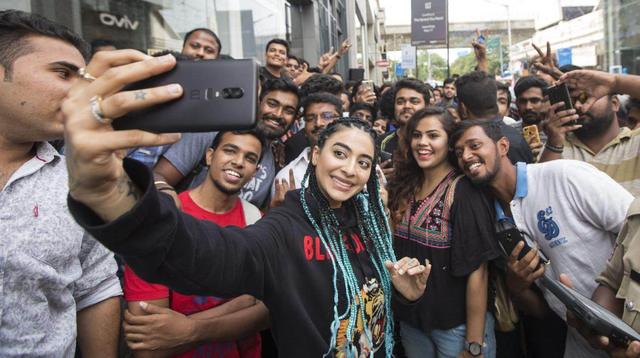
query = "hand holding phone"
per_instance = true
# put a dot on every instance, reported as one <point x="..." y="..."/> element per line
<point x="217" y="95"/>
<point x="531" y="134"/>
<point x="524" y="264"/>
<point x="560" y="94"/>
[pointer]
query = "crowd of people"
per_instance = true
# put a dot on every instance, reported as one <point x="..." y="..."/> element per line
<point x="354" y="220"/>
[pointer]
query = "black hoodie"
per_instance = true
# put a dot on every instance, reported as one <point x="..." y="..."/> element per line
<point x="279" y="260"/>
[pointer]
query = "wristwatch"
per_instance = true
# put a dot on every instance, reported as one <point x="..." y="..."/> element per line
<point x="474" y="348"/>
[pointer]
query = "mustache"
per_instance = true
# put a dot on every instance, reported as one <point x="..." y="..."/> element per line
<point x="276" y="119"/>
<point x="532" y="116"/>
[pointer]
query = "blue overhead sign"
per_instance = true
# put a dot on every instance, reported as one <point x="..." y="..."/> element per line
<point x="564" y="56"/>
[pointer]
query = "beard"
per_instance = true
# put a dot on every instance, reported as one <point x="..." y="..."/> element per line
<point x="593" y="126"/>
<point x="224" y="189"/>
<point x="268" y="132"/>
<point x="490" y="175"/>
<point x="530" y="117"/>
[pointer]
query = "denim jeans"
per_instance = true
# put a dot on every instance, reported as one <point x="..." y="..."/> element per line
<point x="444" y="343"/>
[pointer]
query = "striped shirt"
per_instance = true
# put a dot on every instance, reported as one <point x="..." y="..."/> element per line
<point x="620" y="158"/>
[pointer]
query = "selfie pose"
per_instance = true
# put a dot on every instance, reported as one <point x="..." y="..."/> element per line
<point x="322" y="262"/>
<point x="440" y="216"/>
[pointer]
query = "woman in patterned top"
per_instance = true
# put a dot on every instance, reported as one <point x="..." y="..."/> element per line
<point x="439" y="215"/>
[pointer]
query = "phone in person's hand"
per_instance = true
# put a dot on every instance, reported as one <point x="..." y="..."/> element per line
<point x="217" y="95"/>
<point x="384" y="156"/>
<point x="531" y="134"/>
<point x="367" y="84"/>
<point x="509" y="237"/>
<point x="560" y="93"/>
<point x="481" y="39"/>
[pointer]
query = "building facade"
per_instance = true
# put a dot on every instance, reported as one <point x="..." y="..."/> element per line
<point x="244" y="26"/>
<point x="622" y="35"/>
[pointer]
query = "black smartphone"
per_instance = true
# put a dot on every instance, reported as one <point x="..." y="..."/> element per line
<point x="384" y="156"/>
<point x="217" y="95"/>
<point x="508" y="238"/>
<point x="596" y="317"/>
<point x="560" y="93"/>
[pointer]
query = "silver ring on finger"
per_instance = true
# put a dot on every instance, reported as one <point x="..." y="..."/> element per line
<point x="82" y="72"/>
<point x="96" y="110"/>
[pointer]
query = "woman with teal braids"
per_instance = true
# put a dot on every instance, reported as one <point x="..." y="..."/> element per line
<point x="322" y="262"/>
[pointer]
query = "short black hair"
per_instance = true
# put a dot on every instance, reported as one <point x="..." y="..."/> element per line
<point x="413" y="84"/>
<point x="282" y="42"/>
<point x="280" y="84"/>
<point x="16" y="26"/>
<point x="448" y="81"/>
<point x="478" y="92"/>
<point x="491" y="128"/>
<point x="503" y="87"/>
<point x="526" y="82"/>
<point x="252" y="132"/>
<point x="203" y="29"/>
<point x="321" y="83"/>
<point x="386" y="104"/>
<point x="101" y="43"/>
<point x="367" y="107"/>
<point x="322" y="97"/>
<point x="292" y="57"/>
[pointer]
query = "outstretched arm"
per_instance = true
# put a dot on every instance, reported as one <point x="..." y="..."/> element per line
<point x="129" y="216"/>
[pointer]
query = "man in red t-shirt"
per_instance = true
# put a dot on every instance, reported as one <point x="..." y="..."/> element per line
<point x="162" y="322"/>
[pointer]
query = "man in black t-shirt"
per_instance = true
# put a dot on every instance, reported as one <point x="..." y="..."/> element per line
<point x="276" y="54"/>
<point x="477" y="96"/>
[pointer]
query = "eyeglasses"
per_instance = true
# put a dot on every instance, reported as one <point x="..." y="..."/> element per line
<point x="325" y="116"/>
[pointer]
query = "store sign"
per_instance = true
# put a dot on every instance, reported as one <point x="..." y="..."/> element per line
<point x="564" y="56"/>
<point x="122" y="22"/>
<point x="408" y="56"/>
<point x="429" y="23"/>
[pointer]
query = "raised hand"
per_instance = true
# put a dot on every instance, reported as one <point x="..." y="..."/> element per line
<point x="344" y="47"/>
<point x="94" y="150"/>
<point x="365" y="95"/>
<point x="589" y="86"/>
<point x="282" y="187"/>
<point x="480" y="51"/>
<point x="325" y="59"/>
<point x="409" y="277"/>
<point x="545" y="63"/>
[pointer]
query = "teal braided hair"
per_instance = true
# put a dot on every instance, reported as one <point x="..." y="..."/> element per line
<point x="375" y="232"/>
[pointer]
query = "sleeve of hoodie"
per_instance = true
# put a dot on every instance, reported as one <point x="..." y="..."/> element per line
<point x="164" y="245"/>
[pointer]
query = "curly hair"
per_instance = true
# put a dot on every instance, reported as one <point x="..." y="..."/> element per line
<point x="408" y="177"/>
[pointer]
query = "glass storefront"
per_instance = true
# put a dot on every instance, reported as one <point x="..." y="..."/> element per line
<point x="244" y="26"/>
<point x="623" y="35"/>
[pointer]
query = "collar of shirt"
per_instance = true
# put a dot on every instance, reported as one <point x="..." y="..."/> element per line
<point x="624" y="134"/>
<point x="521" y="191"/>
<point x="45" y="154"/>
